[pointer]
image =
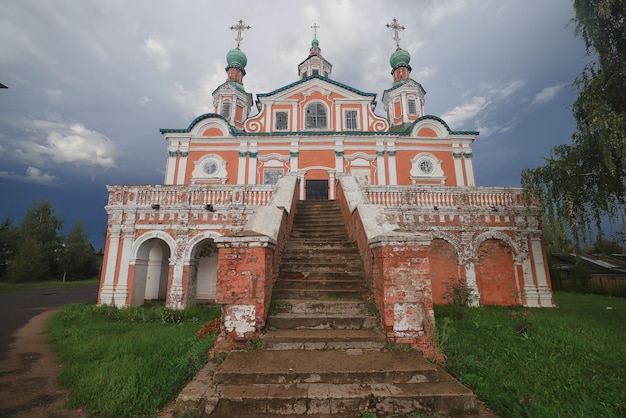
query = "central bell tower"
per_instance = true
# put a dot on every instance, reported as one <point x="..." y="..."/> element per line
<point x="404" y="101"/>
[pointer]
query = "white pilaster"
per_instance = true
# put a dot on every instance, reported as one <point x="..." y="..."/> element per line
<point x="294" y="151"/>
<point x="530" y="291"/>
<point x="331" y="191"/>
<point x="391" y="158"/>
<point x="470" y="278"/>
<point x="469" y="168"/>
<point x="545" y="295"/>
<point x="252" y="163"/>
<point x="170" y="168"/>
<point x="108" y="287"/>
<point x="182" y="163"/>
<point x="458" y="166"/>
<point x="241" y="167"/>
<point x="405" y="109"/>
<point x="380" y="163"/>
<point x="121" y="290"/>
<point x="176" y="291"/>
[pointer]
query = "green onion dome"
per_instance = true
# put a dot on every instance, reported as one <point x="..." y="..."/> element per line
<point x="315" y="43"/>
<point x="236" y="58"/>
<point x="400" y="58"/>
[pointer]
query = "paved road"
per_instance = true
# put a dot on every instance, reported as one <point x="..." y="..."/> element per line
<point x="18" y="308"/>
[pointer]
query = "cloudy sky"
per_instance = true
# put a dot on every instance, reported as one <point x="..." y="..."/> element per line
<point x="91" y="82"/>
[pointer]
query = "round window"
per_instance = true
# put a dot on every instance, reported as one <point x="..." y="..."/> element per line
<point x="210" y="166"/>
<point x="426" y="166"/>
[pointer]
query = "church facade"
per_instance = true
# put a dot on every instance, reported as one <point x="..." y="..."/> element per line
<point x="233" y="175"/>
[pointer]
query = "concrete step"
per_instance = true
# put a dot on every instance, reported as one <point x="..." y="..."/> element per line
<point x="323" y="339"/>
<point x="319" y="294"/>
<point x="298" y="246"/>
<point x="333" y="275"/>
<point x="330" y="366"/>
<point x="311" y="307"/>
<point x="303" y="254"/>
<point x="343" y="400"/>
<point x="329" y="285"/>
<point x="329" y="266"/>
<point x="321" y="321"/>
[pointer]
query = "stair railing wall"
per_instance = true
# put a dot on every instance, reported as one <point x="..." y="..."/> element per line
<point x="248" y="264"/>
<point x="398" y="269"/>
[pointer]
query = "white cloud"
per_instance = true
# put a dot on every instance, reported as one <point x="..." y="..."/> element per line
<point x="59" y="142"/>
<point x="503" y="91"/>
<point x="547" y="94"/>
<point x="157" y="51"/>
<point x="33" y="175"/>
<point x="466" y="111"/>
<point x="479" y="105"/>
<point x="199" y="100"/>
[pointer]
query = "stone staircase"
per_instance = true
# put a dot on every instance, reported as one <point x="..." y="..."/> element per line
<point x="324" y="353"/>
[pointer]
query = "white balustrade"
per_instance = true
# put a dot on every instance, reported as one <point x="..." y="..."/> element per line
<point x="189" y="195"/>
<point x="449" y="197"/>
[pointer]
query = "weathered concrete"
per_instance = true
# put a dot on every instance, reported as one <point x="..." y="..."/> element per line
<point x="323" y="352"/>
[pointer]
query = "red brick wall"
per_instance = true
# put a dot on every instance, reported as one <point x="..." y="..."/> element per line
<point x="495" y="274"/>
<point x="444" y="268"/>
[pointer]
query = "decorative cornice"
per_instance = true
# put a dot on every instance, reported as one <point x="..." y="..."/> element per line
<point x="402" y="83"/>
<point x="314" y="76"/>
<point x="438" y="119"/>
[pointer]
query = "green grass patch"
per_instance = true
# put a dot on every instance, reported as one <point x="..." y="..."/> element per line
<point x="6" y="287"/>
<point x="564" y="362"/>
<point x="127" y="362"/>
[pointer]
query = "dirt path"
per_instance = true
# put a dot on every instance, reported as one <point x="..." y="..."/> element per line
<point x="28" y="386"/>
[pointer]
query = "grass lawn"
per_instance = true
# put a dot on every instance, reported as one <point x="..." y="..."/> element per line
<point x="127" y="362"/>
<point x="28" y="286"/>
<point x="563" y="362"/>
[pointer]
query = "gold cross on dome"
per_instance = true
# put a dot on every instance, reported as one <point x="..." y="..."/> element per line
<point x="239" y="27"/>
<point x="315" y="28"/>
<point x="396" y="27"/>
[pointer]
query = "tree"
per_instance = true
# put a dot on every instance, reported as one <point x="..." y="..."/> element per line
<point x="555" y="236"/>
<point x="37" y="240"/>
<point x="29" y="263"/>
<point x="7" y="245"/>
<point x="583" y="182"/>
<point x="77" y="260"/>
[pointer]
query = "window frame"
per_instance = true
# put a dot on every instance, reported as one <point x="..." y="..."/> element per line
<point x="274" y="170"/>
<point x="411" y="101"/>
<point x="319" y="106"/>
<point x="226" y="104"/>
<point x="276" y="120"/>
<point x="346" y="119"/>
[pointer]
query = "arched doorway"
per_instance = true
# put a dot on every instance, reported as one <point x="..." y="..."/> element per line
<point x="204" y="257"/>
<point x="151" y="272"/>
<point x="495" y="274"/>
<point x="444" y="267"/>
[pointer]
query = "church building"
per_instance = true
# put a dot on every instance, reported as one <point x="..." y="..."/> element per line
<point x="405" y="181"/>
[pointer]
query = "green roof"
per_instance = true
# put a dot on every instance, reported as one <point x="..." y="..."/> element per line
<point x="235" y="85"/>
<point x="402" y="83"/>
<point x="304" y="80"/>
<point x="236" y="58"/>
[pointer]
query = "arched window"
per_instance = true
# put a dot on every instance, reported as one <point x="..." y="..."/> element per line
<point x="316" y="116"/>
